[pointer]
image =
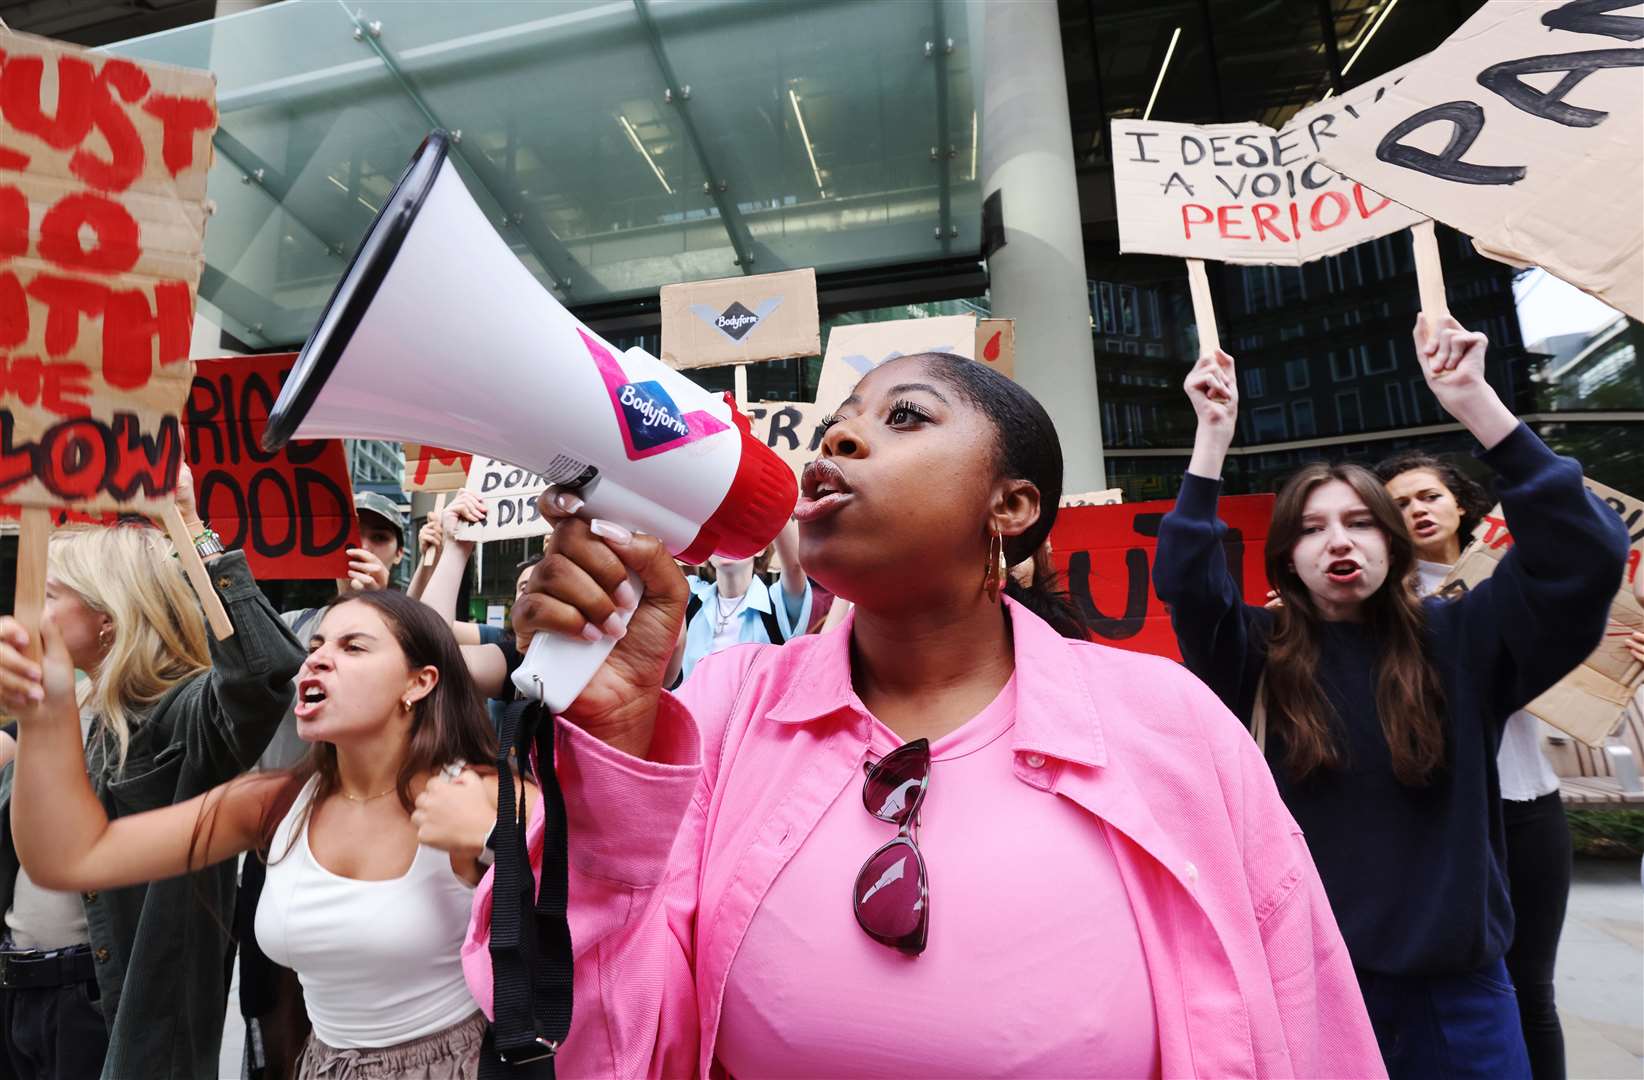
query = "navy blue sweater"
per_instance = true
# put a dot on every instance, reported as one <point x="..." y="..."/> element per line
<point x="1415" y="875"/>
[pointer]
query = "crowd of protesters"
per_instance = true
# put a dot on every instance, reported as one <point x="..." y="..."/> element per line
<point x="1326" y="844"/>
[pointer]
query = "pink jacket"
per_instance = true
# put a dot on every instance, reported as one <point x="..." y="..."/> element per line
<point x="670" y="857"/>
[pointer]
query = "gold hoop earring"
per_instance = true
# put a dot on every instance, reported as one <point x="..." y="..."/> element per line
<point x="105" y="637"/>
<point x="993" y="573"/>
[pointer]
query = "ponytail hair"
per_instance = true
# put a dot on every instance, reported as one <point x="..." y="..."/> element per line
<point x="1027" y="448"/>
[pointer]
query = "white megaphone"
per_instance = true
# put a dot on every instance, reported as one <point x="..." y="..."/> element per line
<point x="438" y="334"/>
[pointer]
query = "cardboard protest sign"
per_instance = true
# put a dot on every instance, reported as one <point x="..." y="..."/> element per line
<point x="1587" y="703"/>
<point x="1524" y="130"/>
<point x="290" y="510"/>
<point x="1245" y="193"/>
<point x="996" y="345"/>
<point x="510" y="495"/>
<point x="740" y="320"/>
<point x="429" y="468"/>
<point x="1106" y="554"/>
<point x="102" y="230"/>
<point x="793" y="429"/>
<point x="857" y="348"/>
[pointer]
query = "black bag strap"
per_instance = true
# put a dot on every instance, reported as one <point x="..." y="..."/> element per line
<point x="692" y="606"/>
<point x="773" y="628"/>
<point x="530" y="948"/>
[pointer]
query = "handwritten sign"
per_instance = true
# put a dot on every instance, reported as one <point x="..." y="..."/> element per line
<point x="1587" y="703"/>
<point x="1106" y="554"/>
<point x="510" y="495"/>
<point x="740" y="320"/>
<point x="290" y="510"/>
<point x="1245" y="193"/>
<point x="103" y="167"/>
<point x="857" y="348"/>
<point x="428" y="468"/>
<point x="1524" y="130"/>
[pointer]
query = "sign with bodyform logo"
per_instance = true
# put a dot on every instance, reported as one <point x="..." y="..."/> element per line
<point x="740" y="320"/>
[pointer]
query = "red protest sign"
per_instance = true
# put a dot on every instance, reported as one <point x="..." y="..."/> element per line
<point x="290" y="510"/>
<point x="102" y="230"/>
<point x="1106" y="554"/>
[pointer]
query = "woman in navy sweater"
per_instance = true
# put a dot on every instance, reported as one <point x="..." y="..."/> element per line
<point x="1381" y="715"/>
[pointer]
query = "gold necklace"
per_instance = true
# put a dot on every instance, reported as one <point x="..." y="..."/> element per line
<point x="365" y="798"/>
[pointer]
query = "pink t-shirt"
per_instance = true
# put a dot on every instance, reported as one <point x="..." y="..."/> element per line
<point x="1020" y="886"/>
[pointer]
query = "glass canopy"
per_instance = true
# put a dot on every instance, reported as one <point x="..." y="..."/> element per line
<point x="618" y="146"/>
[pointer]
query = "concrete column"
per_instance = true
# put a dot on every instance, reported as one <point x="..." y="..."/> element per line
<point x="1038" y="277"/>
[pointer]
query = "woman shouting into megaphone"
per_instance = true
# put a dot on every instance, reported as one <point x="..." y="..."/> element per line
<point x="939" y="840"/>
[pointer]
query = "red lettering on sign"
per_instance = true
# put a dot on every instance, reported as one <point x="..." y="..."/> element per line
<point x="1364" y="211"/>
<point x="14" y="312"/>
<point x="1188" y="222"/>
<point x="55" y="386"/>
<point x="431" y="454"/>
<point x="20" y="99"/>
<point x="66" y="299"/>
<point x="1264" y="213"/>
<point x="116" y="247"/>
<point x="14" y="223"/>
<point x="1225" y="222"/>
<point x="76" y="459"/>
<point x="1316" y="217"/>
<point x="126" y="154"/>
<point x="1495" y="531"/>
<point x="130" y="327"/>
<point x="181" y="118"/>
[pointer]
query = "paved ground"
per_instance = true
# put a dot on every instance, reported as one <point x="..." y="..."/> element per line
<point x="1600" y="977"/>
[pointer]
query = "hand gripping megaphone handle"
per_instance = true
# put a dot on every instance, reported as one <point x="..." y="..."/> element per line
<point x="557" y="667"/>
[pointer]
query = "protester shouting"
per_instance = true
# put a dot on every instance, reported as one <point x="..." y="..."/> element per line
<point x="1113" y="887"/>
<point x="164" y="713"/>
<point x="371" y="920"/>
<point x="738" y="608"/>
<point x="1441" y="505"/>
<point x="271" y="999"/>
<point x="1382" y="715"/>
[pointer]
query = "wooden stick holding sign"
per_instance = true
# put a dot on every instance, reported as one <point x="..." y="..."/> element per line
<point x="431" y="552"/>
<point x="740" y="374"/>
<point x="195" y="568"/>
<point x="35" y="535"/>
<point x="1429" y="272"/>
<point x="1204" y="308"/>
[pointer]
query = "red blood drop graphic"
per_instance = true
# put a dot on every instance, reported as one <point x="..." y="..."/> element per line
<point x="990" y="352"/>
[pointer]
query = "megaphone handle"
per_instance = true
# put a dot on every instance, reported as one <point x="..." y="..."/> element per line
<point x="557" y="667"/>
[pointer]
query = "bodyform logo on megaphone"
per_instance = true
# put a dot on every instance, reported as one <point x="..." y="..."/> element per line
<point x="650" y="421"/>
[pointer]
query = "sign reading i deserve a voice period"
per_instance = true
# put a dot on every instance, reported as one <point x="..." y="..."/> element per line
<point x="1245" y="193"/>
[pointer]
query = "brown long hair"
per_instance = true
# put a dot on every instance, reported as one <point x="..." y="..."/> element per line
<point x="448" y="724"/>
<point x="1409" y="696"/>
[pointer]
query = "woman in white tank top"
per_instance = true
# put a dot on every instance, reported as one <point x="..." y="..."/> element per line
<point x="373" y="843"/>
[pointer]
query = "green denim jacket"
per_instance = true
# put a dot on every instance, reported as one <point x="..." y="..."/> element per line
<point x="160" y="949"/>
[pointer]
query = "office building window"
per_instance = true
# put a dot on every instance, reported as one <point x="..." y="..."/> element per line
<point x="1342" y="366"/>
<point x="1268" y="424"/>
<point x="1349" y="413"/>
<point x="1395" y="404"/>
<point x="1255" y="383"/>
<point x="1297" y="374"/>
<point x="1301" y="413"/>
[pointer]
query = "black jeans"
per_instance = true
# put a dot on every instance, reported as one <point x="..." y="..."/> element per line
<point x="53" y="1033"/>
<point x="1538" y="878"/>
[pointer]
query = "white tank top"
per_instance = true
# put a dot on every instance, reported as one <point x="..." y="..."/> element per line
<point x="380" y="961"/>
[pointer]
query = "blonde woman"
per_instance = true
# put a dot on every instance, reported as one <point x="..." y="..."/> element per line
<point x="130" y="981"/>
